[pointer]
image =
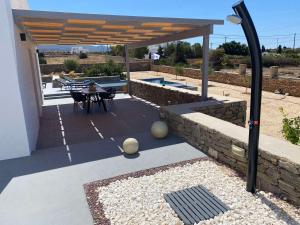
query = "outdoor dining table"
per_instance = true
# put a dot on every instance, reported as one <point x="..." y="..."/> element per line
<point x="99" y="93"/>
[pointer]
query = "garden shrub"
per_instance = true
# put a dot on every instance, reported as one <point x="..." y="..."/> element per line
<point x="216" y="58"/>
<point x="290" y="128"/>
<point x="71" y="65"/>
<point x="179" y="70"/>
<point x="107" y="69"/>
<point x="83" y="55"/>
<point x="42" y="60"/>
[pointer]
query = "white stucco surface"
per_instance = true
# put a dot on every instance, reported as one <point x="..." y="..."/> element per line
<point x="19" y="92"/>
<point x="19" y="4"/>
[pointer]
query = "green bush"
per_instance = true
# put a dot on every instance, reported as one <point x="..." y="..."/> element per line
<point x="42" y="60"/>
<point x="179" y="70"/>
<point x="280" y="60"/>
<point x="108" y="69"/>
<point x="290" y="128"/>
<point x="83" y="55"/>
<point x="216" y="58"/>
<point x="71" y="65"/>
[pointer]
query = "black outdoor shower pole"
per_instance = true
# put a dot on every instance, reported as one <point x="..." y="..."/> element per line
<point x="256" y="86"/>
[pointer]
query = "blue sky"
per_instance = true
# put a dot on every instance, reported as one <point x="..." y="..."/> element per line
<point x="276" y="20"/>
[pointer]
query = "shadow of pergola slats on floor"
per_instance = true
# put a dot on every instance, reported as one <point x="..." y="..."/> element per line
<point x="69" y="138"/>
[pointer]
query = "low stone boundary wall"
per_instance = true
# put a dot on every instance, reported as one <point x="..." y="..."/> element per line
<point x="284" y="85"/>
<point x="57" y="68"/>
<point x="229" y="109"/>
<point x="278" y="161"/>
<point x="160" y="95"/>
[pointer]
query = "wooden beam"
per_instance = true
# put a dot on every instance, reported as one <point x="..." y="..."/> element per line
<point x="174" y="37"/>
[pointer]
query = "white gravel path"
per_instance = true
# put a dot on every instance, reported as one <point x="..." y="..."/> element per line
<point x="139" y="201"/>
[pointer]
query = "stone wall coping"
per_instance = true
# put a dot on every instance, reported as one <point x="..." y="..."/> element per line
<point x="167" y="87"/>
<point x="273" y="146"/>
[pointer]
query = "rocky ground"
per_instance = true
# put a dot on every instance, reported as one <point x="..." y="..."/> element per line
<point x="271" y="117"/>
<point x="139" y="199"/>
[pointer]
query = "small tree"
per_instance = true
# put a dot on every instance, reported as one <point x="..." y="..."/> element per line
<point x="216" y="58"/>
<point x="71" y="65"/>
<point x="279" y="49"/>
<point x="263" y="48"/>
<point x="178" y="70"/>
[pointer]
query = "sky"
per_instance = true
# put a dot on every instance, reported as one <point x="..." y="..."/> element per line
<point x="276" y="21"/>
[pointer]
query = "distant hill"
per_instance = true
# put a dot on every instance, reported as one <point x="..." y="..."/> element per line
<point x="67" y="48"/>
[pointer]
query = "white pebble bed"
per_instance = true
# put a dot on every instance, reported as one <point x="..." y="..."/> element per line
<point x="139" y="201"/>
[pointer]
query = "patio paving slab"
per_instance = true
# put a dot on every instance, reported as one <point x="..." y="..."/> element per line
<point x="57" y="196"/>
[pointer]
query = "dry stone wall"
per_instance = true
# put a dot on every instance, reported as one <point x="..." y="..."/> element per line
<point x="278" y="161"/>
<point x="283" y="85"/>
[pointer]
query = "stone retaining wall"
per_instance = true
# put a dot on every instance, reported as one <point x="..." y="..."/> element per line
<point x="229" y="109"/>
<point x="57" y="68"/>
<point x="278" y="161"/>
<point x="160" y="95"/>
<point x="284" y="85"/>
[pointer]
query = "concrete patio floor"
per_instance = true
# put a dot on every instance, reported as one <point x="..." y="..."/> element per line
<point x="75" y="148"/>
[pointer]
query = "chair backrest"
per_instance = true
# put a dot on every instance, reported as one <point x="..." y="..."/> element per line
<point x="78" y="96"/>
<point x="111" y="92"/>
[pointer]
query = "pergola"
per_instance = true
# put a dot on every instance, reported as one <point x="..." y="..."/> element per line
<point x="43" y="27"/>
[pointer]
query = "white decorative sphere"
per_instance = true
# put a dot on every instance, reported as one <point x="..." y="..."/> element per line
<point x="130" y="146"/>
<point x="159" y="129"/>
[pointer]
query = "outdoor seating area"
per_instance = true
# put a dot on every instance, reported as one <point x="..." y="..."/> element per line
<point x="102" y="132"/>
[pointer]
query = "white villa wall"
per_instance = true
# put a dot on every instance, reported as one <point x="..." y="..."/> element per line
<point x="20" y="90"/>
<point x="19" y="4"/>
<point x="28" y="87"/>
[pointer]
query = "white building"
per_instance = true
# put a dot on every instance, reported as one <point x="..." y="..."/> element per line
<point x="78" y="50"/>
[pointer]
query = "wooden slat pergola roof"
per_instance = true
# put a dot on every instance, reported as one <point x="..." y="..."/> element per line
<point x="44" y="27"/>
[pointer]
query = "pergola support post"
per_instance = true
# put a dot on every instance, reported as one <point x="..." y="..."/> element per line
<point x="205" y="64"/>
<point x="127" y="69"/>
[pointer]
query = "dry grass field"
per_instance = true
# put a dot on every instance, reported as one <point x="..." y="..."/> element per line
<point x="271" y="117"/>
<point x="92" y="59"/>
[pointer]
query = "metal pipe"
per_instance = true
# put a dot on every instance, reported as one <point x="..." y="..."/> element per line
<point x="256" y="90"/>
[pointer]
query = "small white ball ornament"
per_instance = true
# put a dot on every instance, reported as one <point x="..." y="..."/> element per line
<point x="159" y="129"/>
<point x="130" y="146"/>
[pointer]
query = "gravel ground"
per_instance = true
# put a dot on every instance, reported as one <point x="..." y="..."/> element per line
<point x="271" y="118"/>
<point x="138" y="198"/>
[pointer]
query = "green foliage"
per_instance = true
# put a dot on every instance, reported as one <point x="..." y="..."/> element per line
<point x="117" y="50"/>
<point x="216" y="58"/>
<point x="83" y="55"/>
<point x="279" y="49"/>
<point x="290" y="128"/>
<point x="263" y="48"/>
<point x="197" y="50"/>
<point x="280" y="60"/>
<point x="42" y="60"/>
<point x="160" y="51"/>
<point x="71" y="65"/>
<point x="111" y="68"/>
<point x="235" y="48"/>
<point x="140" y="52"/>
<point x="179" y="70"/>
<point x="107" y="69"/>
<point x="41" y="54"/>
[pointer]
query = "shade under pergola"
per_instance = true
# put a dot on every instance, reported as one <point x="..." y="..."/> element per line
<point x="62" y="28"/>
